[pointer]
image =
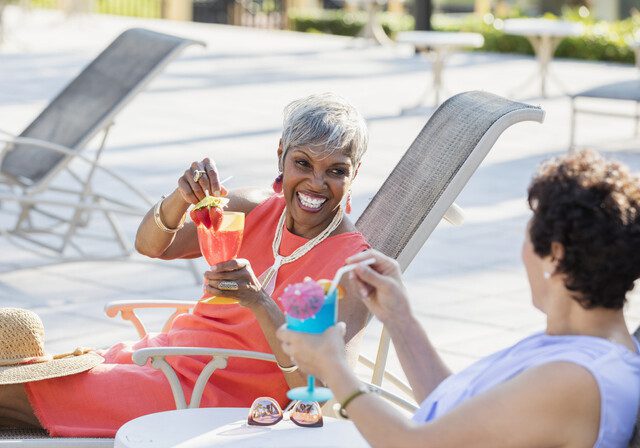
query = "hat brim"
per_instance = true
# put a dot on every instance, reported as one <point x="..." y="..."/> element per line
<point x="55" y="368"/>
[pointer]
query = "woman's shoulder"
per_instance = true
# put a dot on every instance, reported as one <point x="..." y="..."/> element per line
<point x="348" y="231"/>
<point x="595" y="349"/>
<point x="613" y="369"/>
<point x="348" y="236"/>
<point x="248" y="198"/>
<point x="611" y="394"/>
<point x="346" y="226"/>
<point x="600" y="356"/>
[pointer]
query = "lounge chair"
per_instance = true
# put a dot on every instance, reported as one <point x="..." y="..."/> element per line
<point x="50" y="149"/>
<point x="399" y="219"/>
<point x="620" y="91"/>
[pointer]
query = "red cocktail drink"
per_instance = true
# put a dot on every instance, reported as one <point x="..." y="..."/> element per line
<point x="221" y="245"/>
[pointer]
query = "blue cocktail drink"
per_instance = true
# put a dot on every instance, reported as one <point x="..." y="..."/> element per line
<point x="324" y="318"/>
<point x="312" y="307"/>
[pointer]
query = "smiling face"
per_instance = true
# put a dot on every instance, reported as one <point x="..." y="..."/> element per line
<point x="313" y="185"/>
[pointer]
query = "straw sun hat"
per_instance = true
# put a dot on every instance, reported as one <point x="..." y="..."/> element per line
<point x="22" y="355"/>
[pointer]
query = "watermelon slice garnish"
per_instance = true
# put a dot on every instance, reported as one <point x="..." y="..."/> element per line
<point x="208" y="212"/>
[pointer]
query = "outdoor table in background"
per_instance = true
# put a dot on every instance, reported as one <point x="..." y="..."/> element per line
<point x="545" y="35"/>
<point x="3" y="4"/>
<point x="227" y="427"/>
<point x="373" y="28"/>
<point x="438" y="44"/>
<point x="636" y="48"/>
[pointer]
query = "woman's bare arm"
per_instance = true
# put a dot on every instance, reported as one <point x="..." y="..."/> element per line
<point x="270" y="318"/>
<point x="420" y="361"/>
<point x="553" y="405"/>
<point x="154" y="243"/>
<point x="386" y="297"/>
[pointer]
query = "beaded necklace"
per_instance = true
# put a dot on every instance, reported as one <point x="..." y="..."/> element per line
<point x="268" y="277"/>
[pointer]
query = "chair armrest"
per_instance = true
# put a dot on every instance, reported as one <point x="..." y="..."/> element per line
<point x="60" y="149"/>
<point x="397" y="382"/>
<point x="5" y="148"/>
<point x="454" y="215"/>
<point x="393" y="398"/>
<point x="127" y="308"/>
<point x="219" y="357"/>
<point x="7" y="133"/>
<point x="88" y="206"/>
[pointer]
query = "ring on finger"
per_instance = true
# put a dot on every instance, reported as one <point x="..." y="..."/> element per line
<point x="197" y="174"/>
<point x="228" y="285"/>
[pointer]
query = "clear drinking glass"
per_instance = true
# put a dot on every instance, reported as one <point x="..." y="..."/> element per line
<point x="221" y="245"/>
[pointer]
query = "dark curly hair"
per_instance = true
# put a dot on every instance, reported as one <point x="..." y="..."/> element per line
<point x="592" y="207"/>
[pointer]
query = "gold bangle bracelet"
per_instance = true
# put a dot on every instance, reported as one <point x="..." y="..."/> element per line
<point x="289" y="369"/>
<point x="158" y="219"/>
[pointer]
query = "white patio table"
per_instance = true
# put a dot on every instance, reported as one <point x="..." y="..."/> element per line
<point x="438" y="44"/>
<point x="373" y="30"/>
<point x="636" y="48"/>
<point x="545" y="35"/>
<point x="3" y="4"/>
<point x="227" y="427"/>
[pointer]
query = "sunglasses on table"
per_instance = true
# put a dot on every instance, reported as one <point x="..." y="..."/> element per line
<point x="266" y="411"/>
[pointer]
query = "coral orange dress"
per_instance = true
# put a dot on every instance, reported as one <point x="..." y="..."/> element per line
<point x="97" y="402"/>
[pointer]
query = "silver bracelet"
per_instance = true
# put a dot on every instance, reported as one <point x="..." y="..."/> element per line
<point x="290" y="369"/>
<point x="158" y="219"/>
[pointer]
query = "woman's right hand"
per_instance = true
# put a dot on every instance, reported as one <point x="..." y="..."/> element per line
<point x="380" y="286"/>
<point x="192" y="191"/>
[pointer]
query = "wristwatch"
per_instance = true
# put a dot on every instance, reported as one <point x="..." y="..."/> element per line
<point x="341" y="408"/>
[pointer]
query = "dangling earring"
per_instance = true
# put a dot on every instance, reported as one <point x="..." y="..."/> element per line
<point x="347" y="207"/>
<point x="277" y="184"/>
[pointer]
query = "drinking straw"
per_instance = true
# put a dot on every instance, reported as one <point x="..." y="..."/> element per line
<point x="339" y="273"/>
<point x="226" y="179"/>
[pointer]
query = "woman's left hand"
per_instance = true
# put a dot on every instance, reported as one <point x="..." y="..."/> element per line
<point x="249" y="292"/>
<point x="315" y="354"/>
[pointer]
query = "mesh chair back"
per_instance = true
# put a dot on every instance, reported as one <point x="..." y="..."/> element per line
<point x="41" y="438"/>
<point x="87" y="105"/>
<point x="405" y="202"/>
<point x="18" y="434"/>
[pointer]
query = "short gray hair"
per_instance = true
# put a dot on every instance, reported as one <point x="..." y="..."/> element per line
<point x="325" y="121"/>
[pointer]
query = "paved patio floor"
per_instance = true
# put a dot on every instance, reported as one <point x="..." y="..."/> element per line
<point x="467" y="284"/>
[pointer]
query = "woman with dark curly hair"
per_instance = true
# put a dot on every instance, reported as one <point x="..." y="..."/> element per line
<point x="577" y="384"/>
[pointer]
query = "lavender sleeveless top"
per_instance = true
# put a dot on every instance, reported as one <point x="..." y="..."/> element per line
<point x="615" y="368"/>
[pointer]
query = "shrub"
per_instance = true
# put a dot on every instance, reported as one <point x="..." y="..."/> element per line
<point x="345" y="23"/>
<point x="602" y="41"/>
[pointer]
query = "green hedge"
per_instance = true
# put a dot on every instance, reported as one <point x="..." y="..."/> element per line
<point x="345" y="23"/>
<point x="133" y="8"/>
<point x="602" y="41"/>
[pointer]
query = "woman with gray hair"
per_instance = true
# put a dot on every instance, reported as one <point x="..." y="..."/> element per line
<point x="298" y="229"/>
